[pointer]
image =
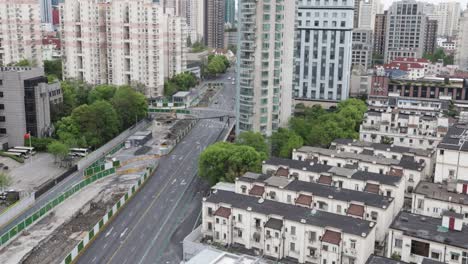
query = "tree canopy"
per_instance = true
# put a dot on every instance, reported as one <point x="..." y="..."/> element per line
<point x="254" y="140"/>
<point x="225" y="161"/>
<point x="180" y="82"/>
<point x="53" y="69"/>
<point x="284" y="141"/>
<point x="58" y="149"/>
<point x="318" y="127"/>
<point x="131" y="105"/>
<point x="217" y="64"/>
<point x="439" y="54"/>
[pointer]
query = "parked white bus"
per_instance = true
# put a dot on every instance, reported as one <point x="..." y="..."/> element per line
<point x="23" y="152"/>
<point x="30" y="150"/>
<point x="82" y="152"/>
<point x="17" y="154"/>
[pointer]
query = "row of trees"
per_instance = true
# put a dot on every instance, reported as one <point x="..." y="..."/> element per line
<point x="180" y="82"/>
<point x="91" y="116"/>
<point x="312" y="126"/>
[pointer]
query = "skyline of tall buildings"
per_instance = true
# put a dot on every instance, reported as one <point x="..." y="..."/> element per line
<point x="46" y="11"/>
<point x="113" y="43"/>
<point x="447" y="15"/>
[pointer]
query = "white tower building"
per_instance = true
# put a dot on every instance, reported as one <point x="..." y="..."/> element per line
<point x="323" y="50"/>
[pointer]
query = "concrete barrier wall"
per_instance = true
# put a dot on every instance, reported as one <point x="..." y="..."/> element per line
<point x="15" y="209"/>
<point x="102" y="151"/>
<point x="89" y="237"/>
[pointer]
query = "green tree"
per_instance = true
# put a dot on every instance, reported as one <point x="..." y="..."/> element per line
<point x="225" y="161"/>
<point x="284" y="141"/>
<point x="217" y="64"/>
<point x="53" y="68"/>
<point x="198" y="47"/>
<point x="377" y="59"/>
<point x="439" y="54"/>
<point x="68" y="132"/>
<point x="180" y="82"/>
<point x="58" y="149"/>
<point x="131" y="105"/>
<point x="98" y="122"/>
<point x="5" y="181"/>
<point x="254" y="140"/>
<point x="23" y="63"/>
<point x="101" y="92"/>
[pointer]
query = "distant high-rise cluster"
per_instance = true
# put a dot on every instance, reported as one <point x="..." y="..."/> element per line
<point x="214" y="24"/>
<point x="122" y="42"/>
<point x="20" y="32"/>
<point x="461" y="56"/>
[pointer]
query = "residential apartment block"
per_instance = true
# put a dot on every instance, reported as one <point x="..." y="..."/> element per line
<point x="423" y="239"/>
<point x="452" y="155"/>
<point x="461" y="55"/>
<point x="20" y="32"/>
<point x="409" y="169"/>
<point x="25" y="100"/>
<point x="402" y="129"/>
<point x="280" y="230"/>
<point x="434" y="199"/>
<point x="323" y="52"/>
<point x="194" y="13"/>
<point x="379" y="33"/>
<point x="362" y="48"/>
<point x="284" y="188"/>
<point x="265" y="55"/>
<point x="122" y="43"/>
<point x="214" y="23"/>
<point x="388" y="151"/>
<point x="447" y="15"/>
<point x="430" y="39"/>
<point x="405" y="31"/>
<point x="339" y="177"/>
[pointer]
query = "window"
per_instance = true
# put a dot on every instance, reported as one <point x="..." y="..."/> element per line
<point x="244" y="188"/>
<point x="217" y="235"/>
<point x="239" y="218"/>
<point x="398" y="243"/>
<point x="1" y="82"/>
<point x="352" y="243"/>
<point x="2" y="118"/>
<point x="435" y="255"/>
<point x="420" y="248"/>
<point x="454" y="256"/>
<point x="217" y="220"/>
<point x="268" y="233"/>
<point x="239" y="233"/>
<point x="325" y="247"/>
<point x="374" y="215"/>
<point x="312" y="236"/>
<point x="338" y="209"/>
<point x="293" y="230"/>
<point x="276" y="249"/>
<point x="276" y="234"/>
<point x="292" y="246"/>
<point x="257" y="222"/>
<point x="441" y="152"/>
<point x="451" y="173"/>
<point x="289" y="198"/>
<point x="210" y="226"/>
<point x="268" y="248"/>
<point x="465" y="257"/>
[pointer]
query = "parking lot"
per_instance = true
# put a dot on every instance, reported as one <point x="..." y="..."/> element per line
<point x="32" y="173"/>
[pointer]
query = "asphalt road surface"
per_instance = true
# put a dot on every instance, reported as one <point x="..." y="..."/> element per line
<point x="151" y="227"/>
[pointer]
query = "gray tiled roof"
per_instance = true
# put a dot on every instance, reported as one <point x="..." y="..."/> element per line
<point x="409" y="163"/>
<point x="452" y="138"/>
<point x="337" y="171"/>
<point x="439" y="192"/>
<point x="298" y="164"/>
<point x="383" y="147"/>
<point x="373" y="259"/>
<point x="322" y="219"/>
<point x="321" y="190"/>
<point x="428" y="228"/>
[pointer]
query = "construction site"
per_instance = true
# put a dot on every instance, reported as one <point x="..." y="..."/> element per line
<point x="51" y="238"/>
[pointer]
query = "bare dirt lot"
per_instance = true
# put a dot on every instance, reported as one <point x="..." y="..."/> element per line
<point x="49" y="240"/>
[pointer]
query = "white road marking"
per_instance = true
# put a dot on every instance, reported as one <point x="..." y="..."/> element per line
<point x="109" y="232"/>
<point x="105" y="245"/>
<point x="123" y="233"/>
<point x="94" y="259"/>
